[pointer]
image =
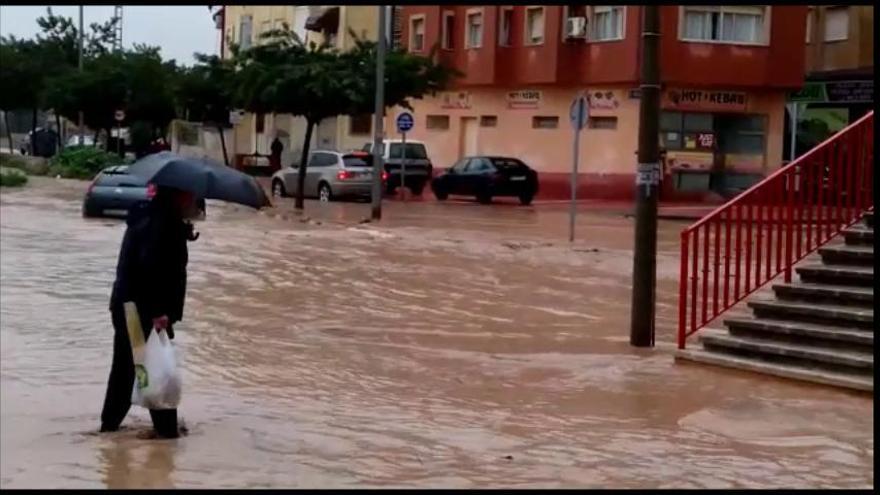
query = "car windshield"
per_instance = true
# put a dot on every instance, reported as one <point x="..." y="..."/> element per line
<point x="413" y="150"/>
<point x="349" y="161"/>
<point x="118" y="176"/>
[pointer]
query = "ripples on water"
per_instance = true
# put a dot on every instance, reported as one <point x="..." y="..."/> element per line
<point x="392" y="355"/>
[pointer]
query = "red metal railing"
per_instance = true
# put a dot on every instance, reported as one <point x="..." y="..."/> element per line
<point x="764" y="231"/>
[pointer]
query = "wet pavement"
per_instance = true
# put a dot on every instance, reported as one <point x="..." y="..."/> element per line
<point x="451" y="345"/>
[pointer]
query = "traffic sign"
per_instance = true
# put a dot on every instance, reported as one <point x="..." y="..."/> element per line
<point x="119" y="115"/>
<point x="404" y="122"/>
<point x="579" y="112"/>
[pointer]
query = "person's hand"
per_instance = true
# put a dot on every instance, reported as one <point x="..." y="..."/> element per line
<point x="160" y="323"/>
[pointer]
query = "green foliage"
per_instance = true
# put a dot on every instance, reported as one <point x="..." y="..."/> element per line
<point x="12" y="178"/>
<point x="82" y="162"/>
<point x="12" y="161"/>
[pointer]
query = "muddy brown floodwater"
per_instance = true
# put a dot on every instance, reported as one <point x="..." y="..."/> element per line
<point x="452" y="345"/>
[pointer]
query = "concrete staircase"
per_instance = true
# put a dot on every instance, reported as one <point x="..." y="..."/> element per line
<point x="820" y="329"/>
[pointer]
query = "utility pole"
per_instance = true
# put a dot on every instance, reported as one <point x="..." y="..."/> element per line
<point x="647" y="184"/>
<point x="379" y="118"/>
<point x="81" y="115"/>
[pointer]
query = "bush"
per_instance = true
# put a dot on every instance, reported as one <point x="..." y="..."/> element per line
<point x="12" y="178"/>
<point x="12" y="161"/>
<point x="82" y="162"/>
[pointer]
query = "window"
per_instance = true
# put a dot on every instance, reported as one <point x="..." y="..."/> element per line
<point x="437" y="122"/>
<point x="246" y="32"/>
<point x="505" y="21"/>
<point x="448" y="30"/>
<point x="415" y="151"/>
<point x="479" y="165"/>
<point x="810" y="15"/>
<point x="545" y="122"/>
<point x="602" y="122"/>
<point x="260" y="123"/>
<point x="459" y="166"/>
<point x="607" y="23"/>
<point x="488" y="121"/>
<point x="417" y="33"/>
<point x="322" y="160"/>
<point x="474" y="30"/>
<point x="534" y="25"/>
<point x="836" y="23"/>
<point x="741" y="24"/>
<point x="742" y="134"/>
<point x="683" y="131"/>
<point x="360" y="124"/>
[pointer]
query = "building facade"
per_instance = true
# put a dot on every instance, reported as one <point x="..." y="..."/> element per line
<point x="839" y="85"/>
<point x="726" y="72"/>
<point x="243" y="25"/>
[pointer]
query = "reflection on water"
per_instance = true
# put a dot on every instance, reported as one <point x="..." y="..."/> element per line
<point x="452" y="345"/>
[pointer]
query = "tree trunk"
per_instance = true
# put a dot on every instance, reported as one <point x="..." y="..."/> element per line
<point x="58" y="128"/>
<point x="223" y="144"/>
<point x="97" y="135"/>
<point x="34" y="132"/>
<point x="301" y="179"/>
<point x="8" y="132"/>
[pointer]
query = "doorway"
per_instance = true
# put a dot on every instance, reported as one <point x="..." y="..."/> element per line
<point x="468" y="137"/>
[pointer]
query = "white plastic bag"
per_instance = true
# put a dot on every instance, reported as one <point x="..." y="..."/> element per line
<point x="157" y="382"/>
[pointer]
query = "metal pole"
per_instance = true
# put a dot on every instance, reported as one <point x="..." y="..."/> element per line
<point x="81" y="115"/>
<point x="793" y="115"/>
<point x="403" y="165"/>
<point x="378" y="118"/>
<point x="647" y="181"/>
<point x="574" y="174"/>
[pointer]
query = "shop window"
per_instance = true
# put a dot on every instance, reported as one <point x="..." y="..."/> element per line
<point x="504" y="29"/>
<point x="742" y="134"/>
<point x="417" y="34"/>
<point x="602" y="122"/>
<point x="489" y="121"/>
<point x="687" y="131"/>
<point x="836" y="23"/>
<point x="730" y="24"/>
<point x="360" y="124"/>
<point x="607" y="23"/>
<point x="437" y="122"/>
<point x="540" y="122"/>
<point x="534" y="25"/>
<point x="448" y="30"/>
<point x="474" y="30"/>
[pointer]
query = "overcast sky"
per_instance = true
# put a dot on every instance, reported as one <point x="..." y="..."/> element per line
<point x="180" y="31"/>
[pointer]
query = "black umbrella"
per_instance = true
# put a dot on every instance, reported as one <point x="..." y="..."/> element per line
<point x="204" y="178"/>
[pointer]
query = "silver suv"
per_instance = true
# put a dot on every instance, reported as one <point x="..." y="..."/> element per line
<point x="329" y="175"/>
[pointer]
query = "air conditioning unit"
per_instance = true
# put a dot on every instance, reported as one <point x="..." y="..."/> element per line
<point x="576" y="27"/>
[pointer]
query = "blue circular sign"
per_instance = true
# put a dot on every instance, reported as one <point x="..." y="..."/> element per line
<point x="405" y="122"/>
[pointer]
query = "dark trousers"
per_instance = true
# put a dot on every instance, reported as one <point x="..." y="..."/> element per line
<point x="119" y="387"/>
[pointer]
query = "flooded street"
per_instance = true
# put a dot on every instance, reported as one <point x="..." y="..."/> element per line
<point x="450" y="345"/>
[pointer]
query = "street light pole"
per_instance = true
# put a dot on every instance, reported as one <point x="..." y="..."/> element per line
<point x="647" y="185"/>
<point x="81" y="116"/>
<point x="379" y="118"/>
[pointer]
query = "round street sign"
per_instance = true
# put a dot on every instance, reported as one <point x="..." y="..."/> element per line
<point x="119" y="115"/>
<point x="404" y="122"/>
<point x="579" y="112"/>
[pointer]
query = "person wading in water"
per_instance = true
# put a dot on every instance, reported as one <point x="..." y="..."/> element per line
<point x="151" y="272"/>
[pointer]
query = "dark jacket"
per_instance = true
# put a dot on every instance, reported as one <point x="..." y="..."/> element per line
<point x="151" y="270"/>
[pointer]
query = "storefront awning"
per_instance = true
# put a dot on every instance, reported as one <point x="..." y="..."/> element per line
<point x="325" y="21"/>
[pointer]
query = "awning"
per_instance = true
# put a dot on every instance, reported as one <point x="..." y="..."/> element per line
<point x="327" y="20"/>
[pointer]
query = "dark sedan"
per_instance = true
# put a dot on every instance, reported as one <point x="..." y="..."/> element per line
<point x="114" y="191"/>
<point x="486" y="177"/>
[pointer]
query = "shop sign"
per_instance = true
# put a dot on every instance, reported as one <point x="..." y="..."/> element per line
<point x="835" y="92"/>
<point x="523" y="99"/>
<point x="706" y="140"/>
<point x="458" y="100"/>
<point x="603" y="100"/>
<point x="697" y="99"/>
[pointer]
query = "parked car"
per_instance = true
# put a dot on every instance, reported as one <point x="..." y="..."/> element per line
<point x="114" y="191"/>
<point x="419" y="169"/>
<point x="329" y="175"/>
<point x="486" y="177"/>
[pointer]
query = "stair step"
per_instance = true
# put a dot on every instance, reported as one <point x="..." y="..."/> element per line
<point x="788" y="353"/>
<point x="846" y="316"/>
<point x="844" y="295"/>
<point x="837" y="274"/>
<point x="857" y="235"/>
<point x="869" y="219"/>
<point x="796" y="331"/>
<point x="860" y="254"/>
<point x="845" y="380"/>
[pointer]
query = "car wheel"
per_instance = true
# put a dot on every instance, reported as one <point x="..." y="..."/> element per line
<point x="526" y="199"/>
<point x="484" y="197"/>
<point x="278" y="189"/>
<point x="324" y="193"/>
<point x="417" y="188"/>
<point x="439" y="193"/>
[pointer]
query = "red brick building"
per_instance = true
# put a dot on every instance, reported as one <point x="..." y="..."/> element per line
<point x="725" y="71"/>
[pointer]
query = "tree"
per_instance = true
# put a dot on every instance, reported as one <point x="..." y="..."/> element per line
<point x="204" y="94"/>
<point x="21" y="80"/>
